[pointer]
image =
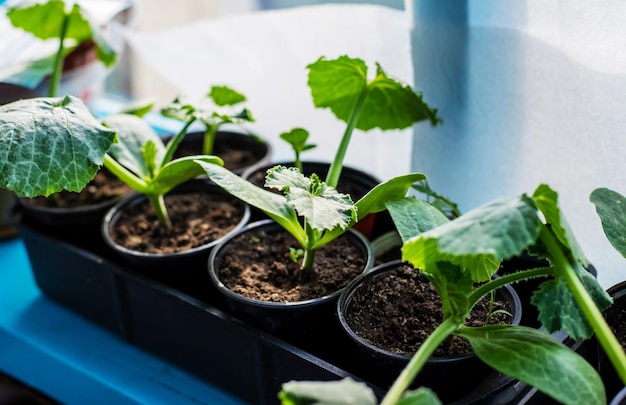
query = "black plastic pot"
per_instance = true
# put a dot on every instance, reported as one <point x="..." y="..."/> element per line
<point x="225" y="141"/>
<point x="352" y="181"/>
<point x="286" y="319"/>
<point x="78" y="225"/>
<point x="460" y="378"/>
<point x="619" y="398"/>
<point x="184" y="270"/>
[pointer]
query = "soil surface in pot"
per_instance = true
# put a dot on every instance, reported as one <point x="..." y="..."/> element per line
<point x="197" y="219"/>
<point x="102" y="188"/>
<point x="400" y="309"/>
<point x="234" y="159"/>
<point x="257" y="265"/>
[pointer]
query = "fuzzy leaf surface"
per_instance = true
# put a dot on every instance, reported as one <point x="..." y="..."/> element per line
<point x="272" y="204"/>
<point x="479" y="240"/>
<point x="611" y="208"/>
<point x="50" y="144"/>
<point x="537" y="359"/>
<point x="343" y="392"/>
<point x="412" y="216"/>
<point x="323" y="207"/>
<point x="339" y="84"/>
<point x="133" y="134"/>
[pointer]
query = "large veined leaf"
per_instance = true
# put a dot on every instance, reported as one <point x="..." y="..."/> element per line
<point x="479" y="240"/>
<point x="546" y="200"/>
<point x="133" y="134"/>
<point x="611" y="208"/>
<point x="388" y="104"/>
<point x="558" y="308"/>
<point x="45" y="20"/>
<point x="50" y="144"/>
<point x="412" y="216"/>
<point x="344" y="392"/>
<point x="323" y="207"/>
<point x="537" y="359"/>
<point x="392" y="189"/>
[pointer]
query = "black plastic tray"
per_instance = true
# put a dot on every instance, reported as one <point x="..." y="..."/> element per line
<point x="200" y="336"/>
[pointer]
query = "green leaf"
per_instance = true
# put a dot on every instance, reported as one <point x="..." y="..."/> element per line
<point x="546" y="200"/>
<point x="412" y="216"/>
<point x="393" y="189"/>
<point x="558" y="308"/>
<point x="138" y="107"/>
<point x="179" y="171"/>
<point x="297" y="138"/>
<point x="611" y="207"/>
<point x="223" y="95"/>
<point x="272" y="204"/>
<point x="344" y="392"/>
<point x="133" y="134"/>
<point x="421" y="396"/>
<point x="45" y="21"/>
<point x="537" y="359"/>
<point x="322" y="206"/>
<point x="479" y="240"/>
<point x="50" y="144"/>
<point x="339" y="84"/>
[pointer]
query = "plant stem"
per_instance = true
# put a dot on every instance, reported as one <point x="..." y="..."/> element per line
<point x="158" y="204"/>
<point x="173" y="143"/>
<point x="332" y="178"/>
<point x="439" y="335"/>
<point x="57" y="72"/>
<point x="209" y="139"/>
<point x="309" y="254"/>
<point x="593" y="315"/>
<point x="501" y="281"/>
<point x="125" y="175"/>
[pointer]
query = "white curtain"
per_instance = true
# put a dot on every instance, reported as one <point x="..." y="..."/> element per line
<point x="531" y="92"/>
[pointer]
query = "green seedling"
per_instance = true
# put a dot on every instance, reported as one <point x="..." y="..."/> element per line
<point x="215" y="110"/>
<point x="70" y="25"/>
<point x="343" y="86"/>
<point x="297" y="138"/>
<point x="144" y="163"/>
<point x="314" y="213"/>
<point x="458" y="255"/>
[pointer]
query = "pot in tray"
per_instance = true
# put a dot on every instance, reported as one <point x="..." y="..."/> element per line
<point x="202" y="215"/>
<point x="265" y="241"/>
<point x="75" y="217"/>
<point x="353" y="181"/>
<point x="239" y="151"/>
<point x="454" y="377"/>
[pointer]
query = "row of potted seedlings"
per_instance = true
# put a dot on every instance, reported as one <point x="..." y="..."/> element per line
<point x="310" y="223"/>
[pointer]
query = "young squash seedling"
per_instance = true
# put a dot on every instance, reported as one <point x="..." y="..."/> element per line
<point x="343" y="86"/>
<point x="326" y="214"/>
<point x="144" y="163"/>
<point x="215" y="110"/>
<point x="454" y="255"/>
<point x="50" y="144"/>
<point x="297" y="138"/>
<point x="70" y="26"/>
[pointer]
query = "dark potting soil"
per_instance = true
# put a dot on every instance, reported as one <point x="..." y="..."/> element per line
<point x="234" y="159"/>
<point x="616" y="319"/>
<point x="102" y="188"/>
<point x="399" y="310"/>
<point x="197" y="219"/>
<point x="258" y="265"/>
